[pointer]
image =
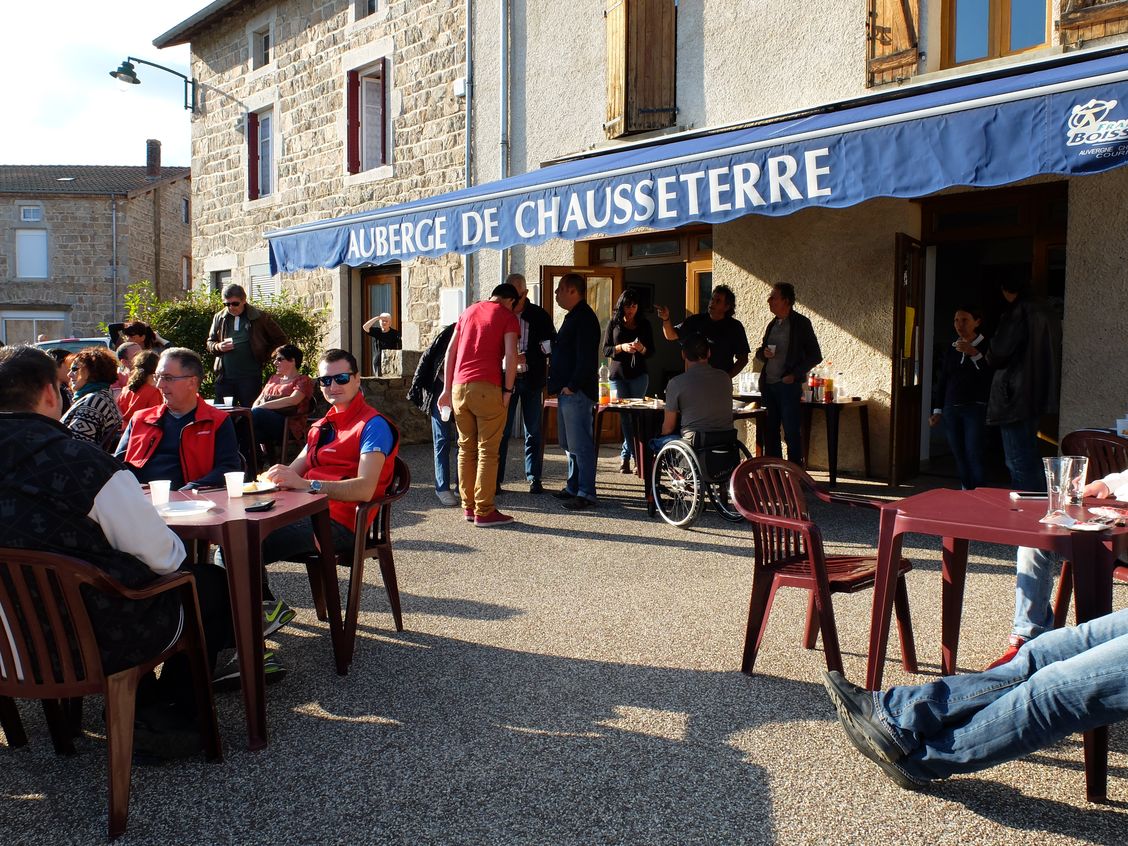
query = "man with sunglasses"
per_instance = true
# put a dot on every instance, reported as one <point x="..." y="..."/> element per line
<point x="241" y="339"/>
<point x="183" y="439"/>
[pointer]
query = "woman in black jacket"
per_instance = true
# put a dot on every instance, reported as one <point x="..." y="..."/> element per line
<point x="627" y="343"/>
<point x="959" y="396"/>
<point x="426" y="386"/>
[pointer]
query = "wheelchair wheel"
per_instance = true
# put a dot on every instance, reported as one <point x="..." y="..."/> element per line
<point x="678" y="491"/>
<point x="718" y="488"/>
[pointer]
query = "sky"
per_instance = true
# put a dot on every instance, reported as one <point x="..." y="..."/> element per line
<point x="59" y="103"/>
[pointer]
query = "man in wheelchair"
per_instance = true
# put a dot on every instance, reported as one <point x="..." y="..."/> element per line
<point x="698" y="417"/>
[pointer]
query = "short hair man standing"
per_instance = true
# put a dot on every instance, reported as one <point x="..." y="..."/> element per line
<point x="533" y="343"/>
<point x="789" y="350"/>
<point x="184" y="439"/>
<point x="698" y="400"/>
<point x="241" y="338"/>
<point x="728" y="342"/>
<point x="384" y="337"/>
<point x="479" y="392"/>
<point x="574" y="377"/>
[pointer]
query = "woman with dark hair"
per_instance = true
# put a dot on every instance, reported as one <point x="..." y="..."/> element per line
<point x="288" y="390"/>
<point x="141" y="390"/>
<point x="62" y="361"/>
<point x="959" y="396"/>
<point x="141" y="333"/>
<point x="94" y="416"/>
<point x="628" y="342"/>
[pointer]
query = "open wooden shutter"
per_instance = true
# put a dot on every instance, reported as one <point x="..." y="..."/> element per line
<point x="641" y="66"/>
<point x="1086" y="20"/>
<point x="892" y="40"/>
<point x="252" y="156"/>
<point x="352" y="121"/>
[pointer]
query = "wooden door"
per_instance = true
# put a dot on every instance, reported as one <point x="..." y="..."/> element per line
<point x="907" y="358"/>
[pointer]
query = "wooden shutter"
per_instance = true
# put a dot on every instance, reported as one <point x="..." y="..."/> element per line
<point x="641" y="66"/>
<point x="892" y="40"/>
<point x="252" y="156"/>
<point x="1086" y="20"/>
<point x="352" y="121"/>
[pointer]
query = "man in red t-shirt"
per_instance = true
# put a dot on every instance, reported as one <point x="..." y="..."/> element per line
<point x="479" y="392"/>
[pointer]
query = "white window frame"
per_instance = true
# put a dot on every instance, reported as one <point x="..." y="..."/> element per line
<point x="363" y="60"/>
<point x="186" y="273"/>
<point x="359" y="16"/>
<point x="35" y="317"/>
<point x="264" y="143"/>
<point x="263" y="287"/>
<point x="257" y="28"/>
<point x="23" y="242"/>
<point x="31" y="214"/>
<point x="259" y="104"/>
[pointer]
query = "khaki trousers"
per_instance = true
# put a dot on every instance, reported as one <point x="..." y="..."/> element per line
<point x="479" y="414"/>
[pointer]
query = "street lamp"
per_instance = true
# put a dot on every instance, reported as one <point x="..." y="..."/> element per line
<point x="127" y="72"/>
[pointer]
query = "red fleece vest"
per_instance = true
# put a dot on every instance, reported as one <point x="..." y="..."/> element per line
<point x="197" y="453"/>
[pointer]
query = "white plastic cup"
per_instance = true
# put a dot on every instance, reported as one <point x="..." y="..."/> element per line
<point x="229" y="401"/>
<point x="234" y="481"/>
<point x="210" y="402"/>
<point x="614" y="394"/>
<point x="770" y="348"/>
<point x="158" y="491"/>
<point x="444" y="413"/>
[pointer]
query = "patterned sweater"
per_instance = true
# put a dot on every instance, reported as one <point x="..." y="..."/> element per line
<point x="95" y="417"/>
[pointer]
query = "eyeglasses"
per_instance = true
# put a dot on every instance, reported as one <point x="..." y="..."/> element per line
<point x="164" y="377"/>
<point x="74" y="368"/>
<point x="278" y="358"/>
<point x="339" y="378"/>
<point x="233" y="303"/>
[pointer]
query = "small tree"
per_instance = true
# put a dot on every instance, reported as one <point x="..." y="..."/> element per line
<point x="186" y="322"/>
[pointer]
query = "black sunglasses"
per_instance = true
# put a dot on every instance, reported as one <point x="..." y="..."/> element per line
<point x="339" y="378"/>
<point x="233" y="303"/>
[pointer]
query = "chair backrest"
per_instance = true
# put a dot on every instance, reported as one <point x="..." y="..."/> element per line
<point x="1107" y="452"/>
<point x="763" y="488"/>
<point x="47" y="644"/>
<point x="400" y="484"/>
<point x="717" y="452"/>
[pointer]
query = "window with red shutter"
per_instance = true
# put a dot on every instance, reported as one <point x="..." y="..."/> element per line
<point x="366" y="102"/>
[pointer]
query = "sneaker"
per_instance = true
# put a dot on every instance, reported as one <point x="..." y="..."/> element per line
<point x="275" y="614"/>
<point x="535" y="487"/>
<point x="625" y="466"/>
<point x="564" y="494"/>
<point x="579" y="503"/>
<point x="469" y="514"/>
<point x="1008" y="656"/>
<point x="447" y="498"/>
<point x="494" y="518"/>
<point x="227" y="678"/>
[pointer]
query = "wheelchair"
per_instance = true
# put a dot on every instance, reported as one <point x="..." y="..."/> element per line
<point x="686" y="471"/>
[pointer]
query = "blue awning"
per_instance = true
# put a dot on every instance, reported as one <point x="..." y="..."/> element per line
<point x="1066" y="119"/>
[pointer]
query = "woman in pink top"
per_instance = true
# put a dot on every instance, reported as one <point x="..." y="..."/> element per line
<point x="140" y="391"/>
<point x="284" y="400"/>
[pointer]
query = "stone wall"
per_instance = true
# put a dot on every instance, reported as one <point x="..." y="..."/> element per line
<point x="388" y="395"/>
<point x="159" y="237"/>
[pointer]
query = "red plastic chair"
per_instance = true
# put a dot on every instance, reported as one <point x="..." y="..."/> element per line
<point x="769" y="492"/>
<point x="1107" y="453"/>
<point x="48" y="652"/>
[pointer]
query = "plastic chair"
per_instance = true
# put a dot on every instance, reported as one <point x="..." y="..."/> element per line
<point x="373" y="540"/>
<point x="48" y="652"/>
<point x="1107" y="453"/>
<point x="769" y="492"/>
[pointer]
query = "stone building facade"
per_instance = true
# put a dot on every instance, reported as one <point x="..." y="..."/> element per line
<point x="75" y="238"/>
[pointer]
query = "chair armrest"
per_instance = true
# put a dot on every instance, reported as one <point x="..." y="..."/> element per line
<point x="856" y="500"/>
<point x="163" y="584"/>
<point x="802" y="526"/>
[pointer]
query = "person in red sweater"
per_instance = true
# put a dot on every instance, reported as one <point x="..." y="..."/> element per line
<point x="141" y="390"/>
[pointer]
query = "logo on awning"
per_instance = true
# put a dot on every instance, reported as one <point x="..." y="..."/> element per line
<point x="1088" y="124"/>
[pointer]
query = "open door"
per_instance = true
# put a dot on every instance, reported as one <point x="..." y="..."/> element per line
<point x="907" y="358"/>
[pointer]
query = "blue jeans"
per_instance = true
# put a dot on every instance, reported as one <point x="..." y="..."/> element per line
<point x="657" y="443"/>
<point x="965" y="426"/>
<point x="444" y="436"/>
<point x="1032" y="612"/>
<point x="269" y="425"/>
<point x="1069" y="680"/>
<point x="629" y="389"/>
<point x="782" y="403"/>
<point x="532" y="400"/>
<point x="1024" y="460"/>
<point x="575" y="426"/>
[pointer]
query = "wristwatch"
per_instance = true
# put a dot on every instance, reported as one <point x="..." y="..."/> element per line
<point x="315" y="486"/>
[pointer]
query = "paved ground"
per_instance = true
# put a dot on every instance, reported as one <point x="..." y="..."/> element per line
<point x="571" y="680"/>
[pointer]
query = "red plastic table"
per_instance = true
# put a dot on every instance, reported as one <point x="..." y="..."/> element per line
<point x="991" y="516"/>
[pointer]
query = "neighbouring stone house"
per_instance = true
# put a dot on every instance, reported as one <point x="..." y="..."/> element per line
<point x="75" y="237"/>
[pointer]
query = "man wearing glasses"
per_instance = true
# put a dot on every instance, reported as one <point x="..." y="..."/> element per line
<point x="241" y="339"/>
<point x="184" y="439"/>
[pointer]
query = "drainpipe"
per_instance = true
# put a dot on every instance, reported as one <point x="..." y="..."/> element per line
<point x="503" y="112"/>
<point x="468" y="259"/>
<point x="114" y="267"/>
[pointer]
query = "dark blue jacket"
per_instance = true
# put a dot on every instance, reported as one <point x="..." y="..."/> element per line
<point x="575" y="353"/>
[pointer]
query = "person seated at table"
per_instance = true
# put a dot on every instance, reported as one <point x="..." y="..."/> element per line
<point x="110" y="525"/>
<point x="93" y="415"/>
<point x="698" y="400"/>
<point x="1069" y="680"/>
<point x="183" y="439"/>
<point x="125" y="354"/>
<point x="140" y="391"/>
<point x="287" y="390"/>
<point x="1033" y="614"/>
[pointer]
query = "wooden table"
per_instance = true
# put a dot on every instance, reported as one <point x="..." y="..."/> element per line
<point x="991" y="516"/>
<point x="240" y="534"/>
<point x="833" y="412"/>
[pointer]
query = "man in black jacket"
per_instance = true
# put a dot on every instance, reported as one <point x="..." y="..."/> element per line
<point x="533" y="345"/>
<point x="426" y="387"/>
<point x="574" y="376"/>
<point x="789" y="349"/>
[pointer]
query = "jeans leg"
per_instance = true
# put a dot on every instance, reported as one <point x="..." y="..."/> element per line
<point x="577" y="440"/>
<point x="443" y="438"/>
<point x="770" y="394"/>
<point x="1020" y="446"/>
<point x="532" y="400"/>
<point x="507" y="433"/>
<point x="1068" y="680"/>
<point x="629" y="389"/>
<point x="955" y="428"/>
<point x="975" y="437"/>
<point x="269" y="425"/>
<point x="792" y="419"/>
<point x="1035" y="582"/>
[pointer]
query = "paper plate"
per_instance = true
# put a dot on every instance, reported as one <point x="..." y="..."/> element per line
<point x="185" y="507"/>
<point x="1089" y="527"/>
<point x="259" y="487"/>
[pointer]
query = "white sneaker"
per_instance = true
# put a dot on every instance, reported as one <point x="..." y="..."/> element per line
<point x="447" y="498"/>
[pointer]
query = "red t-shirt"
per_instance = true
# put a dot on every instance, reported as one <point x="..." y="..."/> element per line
<point x="481" y="342"/>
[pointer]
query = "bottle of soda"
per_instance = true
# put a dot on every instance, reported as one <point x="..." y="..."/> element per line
<point x="604" y="384"/>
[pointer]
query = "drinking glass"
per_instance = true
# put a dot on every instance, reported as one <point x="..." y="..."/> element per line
<point x="1057" y="483"/>
<point x="1078" y="470"/>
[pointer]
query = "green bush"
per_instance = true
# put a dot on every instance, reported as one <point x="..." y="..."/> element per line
<point x="186" y="322"/>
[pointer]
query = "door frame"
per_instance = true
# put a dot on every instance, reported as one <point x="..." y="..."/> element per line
<point x="906" y="355"/>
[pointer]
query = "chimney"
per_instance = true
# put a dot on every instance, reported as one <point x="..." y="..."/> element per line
<point x="152" y="158"/>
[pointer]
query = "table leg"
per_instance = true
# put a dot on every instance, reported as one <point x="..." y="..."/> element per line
<point x="1093" y="564"/>
<point x="863" y="419"/>
<point x="805" y="433"/>
<point x="243" y="561"/>
<point x="833" y="417"/>
<point x="885" y="583"/>
<point x="954" y="571"/>
<point x="328" y="568"/>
